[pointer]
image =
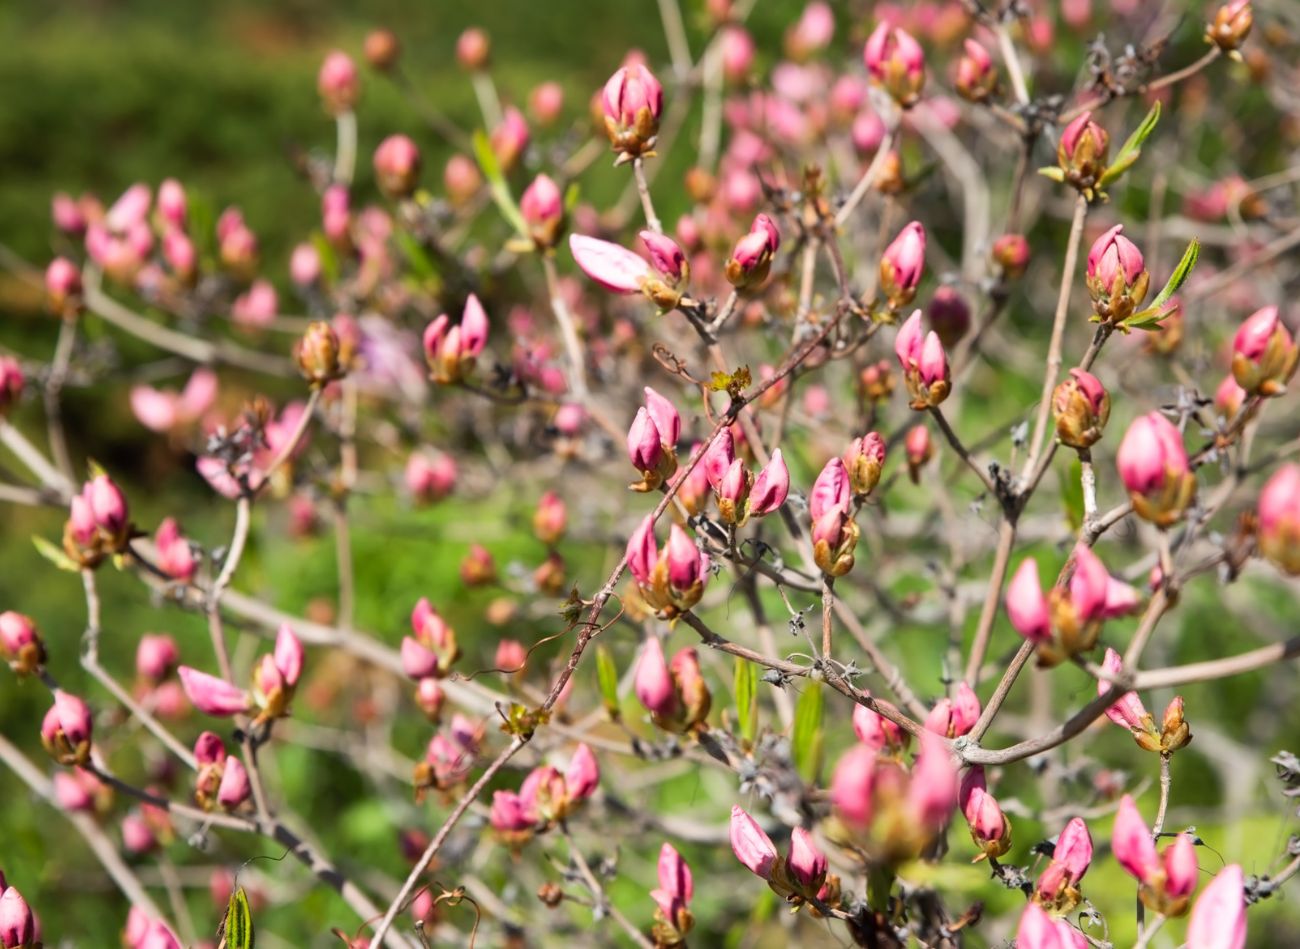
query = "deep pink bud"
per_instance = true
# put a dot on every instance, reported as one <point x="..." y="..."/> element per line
<point x="1279" y="519"/>
<point x="107" y="504"/>
<point x="288" y="655"/>
<point x="874" y="730"/>
<point x="631" y="89"/>
<point x="1089" y="584"/>
<point x="70" y="716"/>
<point x="770" y="487"/>
<point x="1153" y="465"/>
<point x="175" y="556"/>
<point x="665" y="256"/>
<point x="686" y="565"/>
<point x="751" y="258"/>
<point x="806" y="863"/>
<point x="613" y="267"/>
<point x="1038" y="930"/>
<point x="1132" y="844"/>
<point x="1074" y="850"/>
<point x="643" y="552"/>
<point x="676" y="887"/>
<point x="235" y="787"/>
<point x="1113" y="256"/>
<point x="211" y="695"/>
<point x="831" y="491"/>
<point x="665" y="416"/>
<point x="903" y="262"/>
<point x="397" y="166"/>
<point x="1181" y="868"/>
<point x="851" y="785"/>
<point x="1026" y="605"/>
<point x="508" y="813"/>
<point x="750" y="843"/>
<point x="209" y="749"/>
<point x="16" y="632"/>
<point x="1073" y="134"/>
<point x="652" y="682"/>
<point x="1218" y="919"/>
<point x="17" y="923"/>
<point x="895" y="60"/>
<point x="719" y="458"/>
<point x="171" y="202"/>
<point x="583" y="775"/>
<point x="1128" y="712"/>
<point x="418" y="661"/>
<point x="338" y="82"/>
<point x="73" y="791"/>
<point x="644" y="443"/>
<point x="934" y="787"/>
<point x="155" y="656"/>
<point x="62" y="282"/>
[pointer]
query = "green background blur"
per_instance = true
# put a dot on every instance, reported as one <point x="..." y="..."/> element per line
<point x="96" y="95"/>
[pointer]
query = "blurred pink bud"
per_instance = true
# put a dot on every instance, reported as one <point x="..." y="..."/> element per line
<point x="1127" y="712"/>
<point x="335" y="212"/>
<point x="338" y="82"/>
<point x="156" y="656"/>
<point x="1038" y="930"/>
<point x="107" y="504"/>
<point x="288" y="655"/>
<point x="875" y="731"/>
<point x="68" y="718"/>
<point x="665" y="256"/>
<point x="737" y="52"/>
<point x="751" y="258"/>
<point x="630" y="90"/>
<point x="546" y="102"/>
<point x="1218" y="919"/>
<point x="508" y="813"/>
<point x="830" y="491"/>
<point x="429" y="475"/>
<point x="172" y="203"/>
<point x="643" y="551"/>
<point x="211" y="695"/>
<point x="1181" y="870"/>
<point x="62" y="282"/>
<point x="209" y="749"/>
<point x="895" y="60"/>
<point x="550" y="518"/>
<point x="652" y="682"/>
<point x="510" y="138"/>
<point x="67" y="215"/>
<point x="542" y="207"/>
<point x="949" y="315"/>
<point x="868" y="131"/>
<point x="159" y="936"/>
<point x="1089" y="584"/>
<point x="770" y="487"/>
<point x="397" y="166"/>
<point x="1121" y="599"/>
<point x="1229" y="397"/>
<point x="976" y="76"/>
<point x="806" y="863"/>
<point x="812" y="32"/>
<point x="16" y="632"/>
<point x="304" y="265"/>
<point x="583" y="775"/>
<point x="1265" y="355"/>
<point x="12" y="381"/>
<point x="235" y="787"/>
<point x="676" y="887"/>
<point x="611" y="266"/>
<point x="1074" y="850"/>
<point x="17" y="922"/>
<point x="933" y="789"/>
<point x="851" y="785"/>
<point x="1132" y="844"/>
<point x="461" y="178"/>
<point x="257" y="306"/>
<point x="130" y="209"/>
<point x="750" y="843"/>
<point x="1154" y="467"/>
<point x="73" y="791"/>
<point x="473" y="48"/>
<point x="175" y="556"/>
<point x="418" y="661"/>
<point x="1026" y="605"/>
<point x="1279" y="519"/>
<point x="137" y="836"/>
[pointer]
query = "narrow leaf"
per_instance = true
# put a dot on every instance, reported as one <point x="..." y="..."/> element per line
<point x="1051" y="171"/>
<point x="54" y="554"/>
<point x="1131" y="148"/>
<point x="421" y="264"/>
<point x="807" y="738"/>
<point x="746" y="690"/>
<point x="1180" y="274"/>
<point x="237" y="927"/>
<point x="497" y="185"/>
<point x="607" y="676"/>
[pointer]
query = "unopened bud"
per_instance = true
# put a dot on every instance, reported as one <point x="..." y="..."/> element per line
<point x="1081" y="407"/>
<point x="317" y="354"/>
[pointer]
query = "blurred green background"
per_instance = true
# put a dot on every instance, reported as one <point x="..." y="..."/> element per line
<point x="96" y="95"/>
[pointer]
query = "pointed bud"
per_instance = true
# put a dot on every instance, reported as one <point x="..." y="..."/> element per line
<point x="613" y="267"/>
<point x="902" y="265"/>
<point x="1127" y="712"/>
<point x="770" y="487"/>
<point x="1081" y="407"/>
<point x="542" y="207"/>
<point x="1218" y="918"/>
<point x="17" y="922"/>
<point x="1228" y="30"/>
<point x="213" y="696"/>
<point x="632" y="101"/>
<point x="851" y="786"/>
<point x="676" y="888"/>
<point x="1278" y="530"/>
<point x="583" y="776"/>
<point x="1132" y="844"/>
<point x="1154" y="467"/>
<point x="642" y="551"/>
<point x="976" y="76"/>
<point x="1026" y="606"/>
<point x="751" y="845"/>
<point x="67" y="728"/>
<point x="894" y="60"/>
<point x="806" y="864"/>
<point x="751" y="258"/>
<point x="1083" y="152"/>
<point x="652" y="682"/>
<point x="235" y="787"/>
<point x="1116" y="277"/>
<point x="666" y="257"/>
<point x="877" y="732"/>
<point x="1264" y="354"/>
<point x="338" y="83"/>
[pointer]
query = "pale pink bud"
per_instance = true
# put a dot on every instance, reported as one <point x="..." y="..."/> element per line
<point x="686" y="564"/>
<point x="1089" y="584"/>
<point x="851" y="785"/>
<point x="550" y="518"/>
<point x="17" y="922"/>
<point x="874" y="730"/>
<point x="613" y="267"/>
<point x="62" y="280"/>
<point x="288" y="655"/>
<point x="510" y="138"/>
<point x="676" y="887"/>
<point x="1229" y="397"/>
<point x="155" y="656"/>
<point x="171" y="202"/>
<point x="1132" y="844"/>
<point x="107" y="504"/>
<point x="67" y="215"/>
<point x="665" y="255"/>
<point x="335" y="209"/>
<point x="1121" y="599"/>
<point x="130" y="209"/>
<point x="895" y="60"/>
<point x="338" y="82"/>
<point x="256" y="306"/>
<point x="304" y="265"/>
<point x="508" y="813"/>
<point x="1181" y="869"/>
<point x="473" y="327"/>
<point x="652" y="682"/>
<point x="770" y="487"/>
<point x="175" y="556"/>
<point x="1127" y="712"/>
<point x="868" y="131"/>
<point x="750" y="843"/>
<point x="1026" y="605"/>
<point x="473" y="48"/>
<point x="1151" y="451"/>
<point x="418" y="661"/>
<point x="737" y="52"/>
<point x="137" y="836"/>
<point x="719" y="458"/>
<point x="235" y="787"/>
<point x="546" y="102"/>
<point x="1115" y="256"/>
<point x="211" y="695"/>
<point x="158" y="936"/>
<point x="933" y="790"/>
<point x="397" y="166"/>
<point x="642" y="551"/>
<point x="73" y="792"/>
<point x="1038" y="930"/>
<point x="16" y="632"/>
<point x="583" y="775"/>
<point x="1218" y="919"/>
<point x="909" y="342"/>
<point x="430" y="475"/>
<point x="70" y="717"/>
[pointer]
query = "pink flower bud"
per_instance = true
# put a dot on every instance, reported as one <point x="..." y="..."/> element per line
<point x="62" y="283"/>
<point x="211" y="695"/>
<point x="1154" y="467"/>
<point x="1114" y="257"/>
<point x="73" y="791"/>
<point x="235" y="787"/>
<point x="508" y="813"/>
<point x="642" y="551"/>
<point x="107" y="505"/>
<point x="665" y="416"/>
<point x="546" y="103"/>
<point x="17" y="632"/>
<point x="875" y="731"/>
<point x="12" y="381"/>
<point x="67" y="215"/>
<point x="1279" y="519"/>
<point x="175" y="556"/>
<point x="338" y="82"/>
<point x="155" y="656"/>
<point x="209" y="749"/>
<point x="510" y="139"/>
<point x="1083" y="131"/>
<point x="257" y="306"/>
<point x="1218" y="919"/>
<point x="652" y="682"/>
<point x="719" y="458"/>
<point x="336" y="215"/>
<point x="751" y="258"/>
<point x="550" y="519"/>
<point x="1089" y="585"/>
<point x="1132" y="844"/>
<point x="812" y="32"/>
<point x="830" y="491"/>
<point x="130" y="209"/>
<point x="613" y="267"/>
<point x="397" y="166"/>
<point x="304" y="265"/>
<point x="770" y="487"/>
<point x="666" y="256"/>
<point x="851" y="786"/>
<point x="583" y="776"/>
<point x="949" y="315"/>
<point x="1180" y="867"/>
<point x="895" y="60"/>
<point x="676" y="887"/>
<point x="976" y="76"/>
<point x="288" y="655"/>
<point x="806" y="863"/>
<point x="750" y="843"/>
<point x="1228" y="30"/>
<point x="1127" y="712"/>
<point x="632" y="101"/>
<point x="737" y="52"/>
<point x="924" y="363"/>
<point x="17" y="923"/>
<point x="1264" y="354"/>
<point x="542" y="207"/>
<point x="902" y="265"/>
<point x="933" y="790"/>
<point x="644" y="443"/>
<point x="1074" y="850"/>
<point x="461" y="178"/>
<point x="1026" y="605"/>
<point x="686" y="564"/>
<point x="69" y="717"/>
<point x="473" y="48"/>
<point x="1038" y="930"/>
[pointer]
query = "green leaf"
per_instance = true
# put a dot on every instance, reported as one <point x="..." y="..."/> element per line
<point x="1159" y="309"/>
<point x="807" y="739"/>
<point x="1132" y="148"/>
<point x="607" y="676"/>
<point x="54" y="555"/>
<point x="1072" y="494"/>
<point x="329" y="261"/>
<point x="746" y="680"/>
<point x="421" y="264"/>
<point x="497" y="185"/>
<point x="1051" y="171"/>
<point x="571" y="194"/>
<point x="236" y="930"/>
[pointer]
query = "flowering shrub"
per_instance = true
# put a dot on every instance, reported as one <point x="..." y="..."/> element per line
<point x="739" y="605"/>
